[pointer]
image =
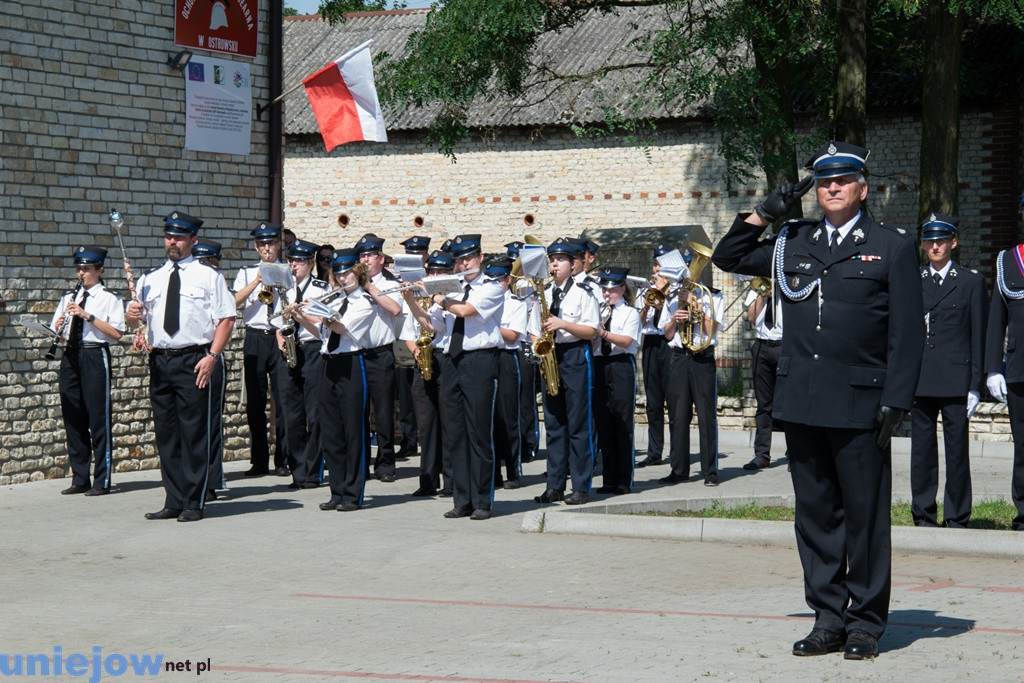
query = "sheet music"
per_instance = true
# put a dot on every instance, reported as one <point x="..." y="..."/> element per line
<point x="277" y="275"/>
<point x="410" y="267"/>
<point x="534" y="258"/>
<point x="443" y="284"/>
<point x="37" y="326"/>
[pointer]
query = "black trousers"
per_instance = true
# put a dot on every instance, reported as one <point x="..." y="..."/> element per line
<point x="843" y="487"/>
<point x="407" y="425"/>
<point x="299" y="388"/>
<point x="656" y="361"/>
<point x="1015" y="402"/>
<point x="614" y="406"/>
<point x="428" y="422"/>
<point x="506" y="418"/>
<point x="181" y="416"/>
<point x="765" y="364"/>
<point x="694" y="381"/>
<point x="85" y="405"/>
<point x="924" y="461"/>
<point x="529" y="421"/>
<point x="468" y="387"/>
<point x="568" y="422"/>
<point x="260" y="357"/>
<point x="380" y="376"/>
<point x="345" y="425"/>
<point x="218" y="379"/>
<point x="451" y="433"/>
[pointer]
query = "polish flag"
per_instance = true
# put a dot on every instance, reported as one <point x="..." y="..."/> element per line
<point x="344" y="99"/>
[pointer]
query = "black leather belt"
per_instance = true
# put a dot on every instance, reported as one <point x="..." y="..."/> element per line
<point x="311" y="342"/>
<point x="771" y="342"/>
<point x="572" y="344"/>
<point x="378" y="350"/>
<point x="195" y="348"/>
<point x="259" y="331"/>
<point x="706" y="353"/>
<point x="88" y="345"/>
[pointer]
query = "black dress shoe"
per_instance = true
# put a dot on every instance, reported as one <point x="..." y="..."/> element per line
<point x="332" y="504"/>
<point x="256" y="471"/>
<point x="282" y="471"/>
<point x="386" y="477"/>
<point x="166" y="513"/>
<point x="347" y="507"/>
<point x="549" y="496"/>
<point x="648" y="461"/>
<point x="73" y="489"/>
<point x="97" y="491"/>
<point x="673" y="478"/>
<point x="622" y="490"/>
<point x="293" y="485"/>
<point x="480" y="514"/>
<point x="309" y="485"/>
<point x="445" y="492"/>
<point x="455" y="513"/>
<point x="819" y="642"/>
<point x="191" y="515"/>
<point x="526" y="458"/>
<point x="860" y="645"/>
<point x="606" y="489"/>
<point x="711" y="479"/>
<point x="511" y="484"/>
<point x="758" y="463"/>
<point x="211" y="495"/>
<point x="424" y="491"/>
<point x="577" y="498"/>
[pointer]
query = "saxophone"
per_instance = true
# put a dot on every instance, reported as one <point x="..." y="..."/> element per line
<point x="290" y="334"/>
<point x="424" y="342"/>
<point x="544" y="347"/>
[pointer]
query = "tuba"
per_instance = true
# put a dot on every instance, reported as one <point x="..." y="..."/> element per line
<point x="691" y="293"/>
<point x="544" y="347"/>
<point x="425" y="344"/>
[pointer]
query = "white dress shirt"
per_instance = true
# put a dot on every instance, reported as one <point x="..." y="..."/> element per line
<point x="481" y="330"/>
<point x="672" y="305"/>
<point x="357" y="320"/>
<point x="382" y="329"/>
<point x="254" y="314"/>
<point x="762" y="331"/>
<point x="204" y="302"/>
<point x="579" y="306"/>
<point x="310" y="288"/>
<point x="625" y="320"/>
<point x="513" y="317"/>
<point x="103" y="304"/>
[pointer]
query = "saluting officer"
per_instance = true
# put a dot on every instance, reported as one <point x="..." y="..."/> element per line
<point x="951" y="377"/>
<point x="260" y="355"/>
<point x="189" y="314"/>
<point x="299" y="386"/>
<point x="574" y="318"/>
<point x="208" y="251"/>
<point x="656" y="361"/>
<point x="851" y="355"/>
<point x="97" y="321"/>
<point x="379" y="355"/>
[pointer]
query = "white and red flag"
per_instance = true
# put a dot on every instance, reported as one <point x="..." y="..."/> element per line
<point x="344" y="99"/>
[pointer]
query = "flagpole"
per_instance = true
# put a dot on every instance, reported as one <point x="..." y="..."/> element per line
<point x="264" y="107"/>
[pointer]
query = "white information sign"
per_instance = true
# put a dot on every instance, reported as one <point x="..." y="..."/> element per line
<point x="218" y="105"/>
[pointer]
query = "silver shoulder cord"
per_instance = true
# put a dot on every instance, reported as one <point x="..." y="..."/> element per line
<point x="780" y="277"/>
<point x="1015" y="294"/>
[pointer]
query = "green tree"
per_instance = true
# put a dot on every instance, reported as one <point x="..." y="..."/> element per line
<point x="290" y="11"/>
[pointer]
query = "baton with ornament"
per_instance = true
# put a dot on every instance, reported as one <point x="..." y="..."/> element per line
<point x="116" y="222"/>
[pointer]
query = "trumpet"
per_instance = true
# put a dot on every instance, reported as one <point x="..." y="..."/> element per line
<point x="63" y="330"/>
<point x="691" y="335"/>
<point x="656" y="294"/>
<point x="323" y="299"/>
<point x="266" y="296"/>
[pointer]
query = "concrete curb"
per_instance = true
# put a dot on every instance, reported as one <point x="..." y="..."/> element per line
<point x="623" y="521"/>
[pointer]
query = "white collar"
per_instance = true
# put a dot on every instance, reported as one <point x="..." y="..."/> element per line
<point x="843" y="229"/>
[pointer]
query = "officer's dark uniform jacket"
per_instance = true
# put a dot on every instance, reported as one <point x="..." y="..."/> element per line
<point x="1006" y="319"/>
<point x="866" y="349"/>
<point x="955" y="331"/>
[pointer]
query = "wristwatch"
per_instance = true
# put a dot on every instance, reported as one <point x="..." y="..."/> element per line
<point x="212" y="355"/>
<point x="91" y="317"/>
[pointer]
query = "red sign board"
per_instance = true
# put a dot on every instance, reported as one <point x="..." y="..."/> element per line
<point x="219" y="25"/>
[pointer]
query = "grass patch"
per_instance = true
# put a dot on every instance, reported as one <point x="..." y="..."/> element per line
<point x="986" y="514"/>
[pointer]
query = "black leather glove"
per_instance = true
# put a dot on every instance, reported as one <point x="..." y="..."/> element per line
<point x="782" y="199"/>
<point x="886" y="421"/>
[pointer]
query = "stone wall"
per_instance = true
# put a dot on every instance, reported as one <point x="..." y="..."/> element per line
<point x="91" y="118"/>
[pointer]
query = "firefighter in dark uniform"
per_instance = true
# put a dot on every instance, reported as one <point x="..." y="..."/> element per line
<point x="405" y="366"/>
<point x="529" y="422"/>
<point x="951" y="376"/>
<point x="96" y="322"/>
<point x="189" y="314"/>
<point x="209" y="252"/>
<point x="851" y="355"/>
<point x="298" y="386"/>
<point x="1004" y="362"/>
<point x="260" y="355"/>
<point x="656" y="362"/>
<point x="573" y="320"/>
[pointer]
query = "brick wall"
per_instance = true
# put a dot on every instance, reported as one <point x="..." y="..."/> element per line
<point x="92" y="118"/>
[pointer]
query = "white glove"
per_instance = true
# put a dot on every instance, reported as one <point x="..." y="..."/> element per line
<point x="996" y="384"/>
<point x="973" y="399"/>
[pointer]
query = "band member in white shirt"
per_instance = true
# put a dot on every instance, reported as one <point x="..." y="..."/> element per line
<point x="208" y="251"/>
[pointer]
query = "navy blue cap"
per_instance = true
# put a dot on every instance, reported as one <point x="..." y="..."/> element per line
<point x="440" y="260"/>
<point x="90" y="256"/>
<point x="592" y="247"/>
<point x="344" y="260"/>
<point x="266" y="232"/>
<point x="563" y="246"/>
<point x="464" y="245"/>
<point x="512" y="249"/>
<point x="416" y="245"/>
<point x="447" y="246"/>
<point x="369" y="243"/>
<point x="661" y="250"/>
<point x="178" y="223"/>
<point x="499" y="267"/>
<point x="938" y="226"/>
<point x="834" y="159"/>
<point x="580" y="245"/>
<point x="613" y="276"/>
<point x="303" y="249"/>
<point x="206" y="248"/>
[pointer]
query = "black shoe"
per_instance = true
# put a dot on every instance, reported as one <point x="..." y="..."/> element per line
<point x="293" y="485"/>
<point x="673" y="478"/>
<point x="648" y="461"/>
<point x="758" y="463"/>
<point x="480" y="514"/>
<point x="332" y="504"/>
<point x="424" y="491"/>
<point x="549" y="496"/>
<point x="386" y="477"/>
<point x="73" y="489"/>
<point x="256" y="472"/>
<point x="819" y="642"/>
<point x="577" y="498"/>
<point x="511" y="484"/>
<point x="211" y="495"/>
<point x="282" y="471"/>
<point x="526" y="458"/>
<point x="347" y="507"/>
<point x="166" y="513"/>
<point x="860" y="645"/>
<point x="191" y="515"/>
<point x="622" y="490"/>
<point x="455" y="513"/>
<point x="309" y="485"/>
<point x="711" y="479"/>
<point x="445" y="492"/>
<point x="97" y="491"/>
<point x="606" y="489"/>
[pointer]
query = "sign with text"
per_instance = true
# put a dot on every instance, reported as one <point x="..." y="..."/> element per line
<point x="219" y="25"/>
<point x="218" y="106"/>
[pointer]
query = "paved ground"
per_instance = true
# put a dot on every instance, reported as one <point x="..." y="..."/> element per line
<point x="268" y="587"/>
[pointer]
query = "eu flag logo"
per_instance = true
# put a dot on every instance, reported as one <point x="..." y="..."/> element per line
<point x="195" y="71"/>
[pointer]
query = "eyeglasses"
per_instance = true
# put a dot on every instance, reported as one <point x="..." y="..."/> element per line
<point x="323" y="259"/>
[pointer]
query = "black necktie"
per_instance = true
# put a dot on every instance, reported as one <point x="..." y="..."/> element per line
<point x="833" y="240"/>
<point x="171" y="325"/>
<point x="606" y="346"/>
<point x="657" y="315"/>
<point x="335" y="338"/>
<point x="556" y="301"/>
<point x="78" y="325"/>
<point x="938" y="279"/>
<point x="458" y="332"/>
<point x="769" y="312"/>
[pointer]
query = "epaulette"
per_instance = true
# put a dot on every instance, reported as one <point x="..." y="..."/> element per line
<point x="585" y="286"/>
<point x="902" y="232"/>
<point x="207" y="264"/>
<point x="369" y="298"/>
<point x="321" y="284"/>
<point x="388" y="275"/>
<point x="715" y="291"/>
<point x="152" y="270"/>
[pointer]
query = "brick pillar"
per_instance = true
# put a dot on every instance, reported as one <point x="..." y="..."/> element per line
<point x="999" y="191"/>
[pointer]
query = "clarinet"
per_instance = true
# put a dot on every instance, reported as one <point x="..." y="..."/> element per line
<point x="52" y="353"/>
